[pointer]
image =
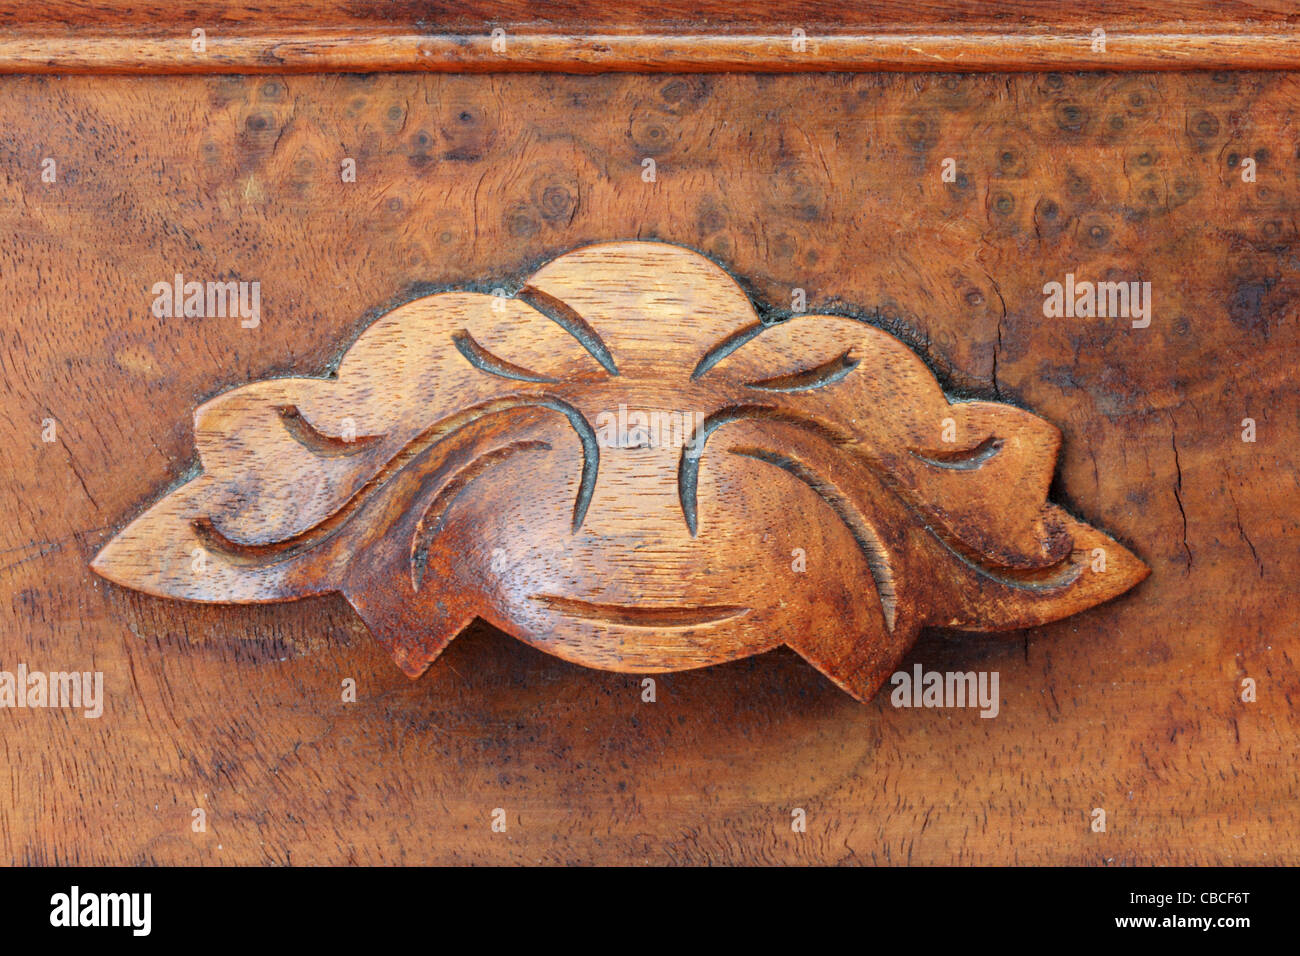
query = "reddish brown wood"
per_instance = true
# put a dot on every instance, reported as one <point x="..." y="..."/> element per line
<point x="625" y="468"/>
<point x="829" y="184"/>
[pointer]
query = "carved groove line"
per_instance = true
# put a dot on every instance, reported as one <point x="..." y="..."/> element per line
<point x="642" y="616"/>
<point x="724" y="348"/>
<point x="567" y="318"/>
<point x="828" y="373"/>
<point x="868" y="541"/>
<point x="317" y="442"/>
<point x="1053" y="577"/>
<point x="965" y="459"/>
<point x="485" y="361"/>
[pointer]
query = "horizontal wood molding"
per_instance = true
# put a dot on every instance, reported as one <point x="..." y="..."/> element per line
<point x="578" y="36"/>
<point x="365" y="51"/>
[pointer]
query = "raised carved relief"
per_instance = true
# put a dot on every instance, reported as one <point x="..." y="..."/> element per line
<point x="623" y="467"/>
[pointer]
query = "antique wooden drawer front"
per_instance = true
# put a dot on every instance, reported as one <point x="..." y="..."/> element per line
<point x="1112" y="250"/>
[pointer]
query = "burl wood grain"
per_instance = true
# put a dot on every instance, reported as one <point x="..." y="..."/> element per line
<point x="827" y="184"/>
<point x="539" y="463"/>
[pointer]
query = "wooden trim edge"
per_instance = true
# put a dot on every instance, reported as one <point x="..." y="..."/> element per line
<point x="336" y="50"/>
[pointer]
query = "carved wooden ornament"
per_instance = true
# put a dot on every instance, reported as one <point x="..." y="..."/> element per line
<point x="623" y="467"/>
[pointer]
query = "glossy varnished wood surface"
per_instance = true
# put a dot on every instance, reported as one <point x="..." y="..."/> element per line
<point x="1133" y="707"/>
<point x="623" y="466"/>
<point x="588" y="36"/>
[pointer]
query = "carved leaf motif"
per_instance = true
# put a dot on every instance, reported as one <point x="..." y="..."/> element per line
<point x="624" y="467"/>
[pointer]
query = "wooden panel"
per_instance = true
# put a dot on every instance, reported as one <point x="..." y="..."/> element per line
<point x="471" y="183"/>
<point x="587" y="36"/>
